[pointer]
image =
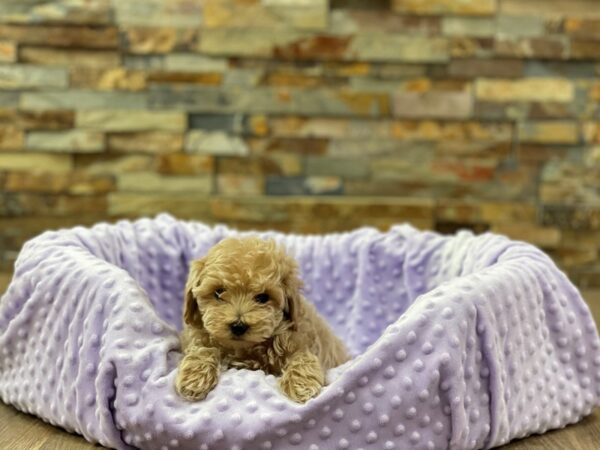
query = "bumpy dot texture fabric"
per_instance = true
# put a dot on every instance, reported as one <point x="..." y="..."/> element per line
<point x="459" y="342"/>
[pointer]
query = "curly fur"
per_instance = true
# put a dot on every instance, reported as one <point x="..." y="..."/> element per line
<point x="286" y="336"/>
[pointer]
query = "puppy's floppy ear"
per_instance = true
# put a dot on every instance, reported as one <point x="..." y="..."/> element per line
<point x="292" y="286"/>
<point x="191" y="313"/>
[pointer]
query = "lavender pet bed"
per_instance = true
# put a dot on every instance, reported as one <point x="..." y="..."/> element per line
<point x="460" y="342"/>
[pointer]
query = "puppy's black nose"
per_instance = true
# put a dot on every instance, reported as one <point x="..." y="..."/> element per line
<point x="238" y="328"/>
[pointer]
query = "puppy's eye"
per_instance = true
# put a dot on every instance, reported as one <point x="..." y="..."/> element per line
<point x="218" y="293"/>
<point x="262" y="298"/>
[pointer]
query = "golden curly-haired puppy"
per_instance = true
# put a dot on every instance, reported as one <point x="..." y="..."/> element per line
<point x="243" y="308"/>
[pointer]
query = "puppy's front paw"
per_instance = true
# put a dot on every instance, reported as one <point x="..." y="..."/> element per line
<point x="302" y="378"/>
<point x="198" y="374"/>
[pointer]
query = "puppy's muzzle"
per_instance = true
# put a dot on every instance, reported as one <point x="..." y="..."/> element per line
<point x="238" y="328"/>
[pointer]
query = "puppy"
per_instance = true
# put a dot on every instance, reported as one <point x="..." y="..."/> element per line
<point x="243" y="308"/>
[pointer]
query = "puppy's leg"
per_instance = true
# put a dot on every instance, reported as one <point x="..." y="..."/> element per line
<point x="198" y="372"/>
<point x="302" y="377"/>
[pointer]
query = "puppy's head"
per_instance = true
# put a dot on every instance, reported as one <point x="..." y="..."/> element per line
<point x="242" y="291"/>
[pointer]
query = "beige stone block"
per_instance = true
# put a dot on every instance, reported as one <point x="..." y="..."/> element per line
<point x="215" y="143"/>
<point x="110" y="165"/>
<point x="551" y="132"/>
<point x="76" y="141"/>
<point x="528" y="89"/>
<point x="25" y="76"/>
<point x="68" y="57"/>
<point x="183" y="206"/>
<point x="154" y="142"/>
<point x="459" y="7"/>
<point x="273" y="14"/>
<point x="436" y="104"/>
<point x="468" y="26"/>
<point x="131" y="120"/>
<point x="386" y="47"/>
<point x="154" y="182"/>
<point x="36" y="162"/>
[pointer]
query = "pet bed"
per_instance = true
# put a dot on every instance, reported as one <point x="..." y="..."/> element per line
<point x="459" y="342"/>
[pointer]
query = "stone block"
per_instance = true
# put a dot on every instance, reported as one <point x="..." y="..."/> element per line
<point x="508" y="212"/>
<point x="561" y="69"/>
<point x="8" y="51"/>
<point x="38" y="120"/>
<point x="294" y="45"/>
<point x="271" y="14"/>
<point x="472" y="47"/>
<point x="35" y="162"/>
<point x="110" y="164"/>
<point x="515" y="26"/>
<point x="23" y="76"/>
<point x="263" y="164"/>
<point x="214" y="143"/>
<point x="77" y="12"/>
<point x="551" y="132"/>
<point x="397" y="47"/>
<point x="184" y="164"/>
<point x="358" y="20"/>
<point x="158" y="13"/>
<point x="116" y="79"/>
<point x="446" y="105"/>
<point x="154" y="142"/>
<point x="575" y="217"/>
<point x="528" y="89"/>
<point x="125" y="204"/>
<point x="345" y="168"/>
<point x="72" y="183"/>
<point x="549" y="8"/>
<point x="474" y="68"/>
<point x="207" y="79"/>
<point x="582" y="28"/>
<point x="83" y="100"/>
<point x="585" y="49"/>
<point x="154" y="182"/>
<point x="61" y="36"/>
<point x="591" y="132"/>
<point x="458" y="7"/>
<point x="152" y="40"/>
<point x="316" y="185"/>
<point x="9" y="99"/>
<point x="69" y="57"/>
<point x="34" y="204"/>
<point x="131" y="120"/>
<point x="546" y="47"/>
<point x="76" y="141"/>
<point x="250" y="209"/>
<point x="190" y="62"/>
<point x="238" y="184"/>
<point x="11" y="137"/>
<point x="230" y="123"/>
<point x="295" y="101"/>
<point x="469" y="26"/>
<point x="288" y="146"/>
<point x="546" y="237"/>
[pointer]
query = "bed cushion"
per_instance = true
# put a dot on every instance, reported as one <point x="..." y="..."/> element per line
<point x="459" y="342"/>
